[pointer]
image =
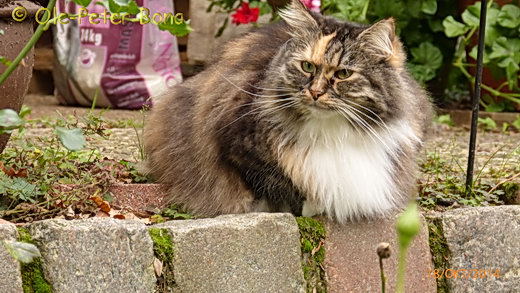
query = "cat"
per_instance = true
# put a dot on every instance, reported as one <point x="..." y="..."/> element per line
<point x="309" y="115"/>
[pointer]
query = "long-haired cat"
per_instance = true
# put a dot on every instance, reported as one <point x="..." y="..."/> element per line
<point x="309" y="115"/>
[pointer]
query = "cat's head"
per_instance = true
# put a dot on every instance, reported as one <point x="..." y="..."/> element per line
<point x="339" y="68"/>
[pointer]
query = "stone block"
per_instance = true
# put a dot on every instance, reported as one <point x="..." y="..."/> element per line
<point x="352" y="264"/>
<point x="10" y="276"/>
<point x="237" y="253"/>
<point x="96" y="255"/>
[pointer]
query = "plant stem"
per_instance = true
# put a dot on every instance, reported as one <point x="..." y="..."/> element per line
<point x="36" y="36"/>
<point x="383" y="278"/>
<point x="401" y="269"/>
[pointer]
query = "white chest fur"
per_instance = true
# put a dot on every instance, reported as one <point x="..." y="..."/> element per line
<point x="343" y="173"/>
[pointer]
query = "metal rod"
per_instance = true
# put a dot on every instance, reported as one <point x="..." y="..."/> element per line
<point x="476" y="97"/>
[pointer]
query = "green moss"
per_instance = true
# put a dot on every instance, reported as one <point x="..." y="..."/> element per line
<point x="312" y="236"/>
<point x="439" y="250"/>
<point x="163" y="250"/>
<point x="33" y="279"/>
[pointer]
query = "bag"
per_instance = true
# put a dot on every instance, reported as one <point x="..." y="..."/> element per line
<point x="118" y="65"/>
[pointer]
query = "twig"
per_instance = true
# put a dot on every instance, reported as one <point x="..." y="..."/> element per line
<point x="504" y="181"/>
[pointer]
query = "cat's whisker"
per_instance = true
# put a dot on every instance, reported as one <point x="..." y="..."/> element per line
<point x="369" y="127"/>
<point x="381" y="123"/>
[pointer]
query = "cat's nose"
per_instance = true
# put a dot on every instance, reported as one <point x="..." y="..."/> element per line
<point x="316" y="94"/>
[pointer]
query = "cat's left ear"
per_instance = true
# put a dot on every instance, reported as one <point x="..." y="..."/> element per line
<point x="298" y="18"/>
<point x="380" y="40"/>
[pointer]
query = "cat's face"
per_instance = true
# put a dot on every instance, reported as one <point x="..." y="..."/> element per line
<point x="339" y="68"/>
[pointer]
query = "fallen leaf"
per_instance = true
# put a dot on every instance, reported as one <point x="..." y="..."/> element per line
<point x="102" y="204"/>
<point x="158" y="266"/>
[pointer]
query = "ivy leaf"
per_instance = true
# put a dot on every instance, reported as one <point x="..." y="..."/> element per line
<point x="453" y="28"/>
<point x="509" y="16"/>
<point x="175" y="28"/>
<point x="83" y="3"/>
<point x="429" y="7"/>
<point x="72" y="139"/>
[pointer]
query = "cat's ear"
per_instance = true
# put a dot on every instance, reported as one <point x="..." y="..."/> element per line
<point x="380" y="40"/>
<point x="298" y="17"/>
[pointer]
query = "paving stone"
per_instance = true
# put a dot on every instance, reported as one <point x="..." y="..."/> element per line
<point x="352" y="264"/>
<point x="483" y="238"/>
<point x="237" y="253"/>
<point x="10" y="277"/>
<point x="96" y="255"/>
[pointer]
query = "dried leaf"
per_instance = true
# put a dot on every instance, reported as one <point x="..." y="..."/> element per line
<point x="119" y="216"/>
<point x="157" y="266"/>
<point x="102" y="204"/>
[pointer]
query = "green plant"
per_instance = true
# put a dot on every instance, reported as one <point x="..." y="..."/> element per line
<point x="32" y="169"/>
<point x="312" y="237"/>
<point x="502" y="50"/>
<point x="444" y="119"/>
<point x="408" y="226"/>
<point x="120" y="7"/>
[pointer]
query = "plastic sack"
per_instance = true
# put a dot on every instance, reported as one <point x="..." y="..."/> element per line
<point x="120" y="65"/>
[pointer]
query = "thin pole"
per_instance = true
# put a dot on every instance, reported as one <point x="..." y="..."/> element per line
<point x="476" y="97"/>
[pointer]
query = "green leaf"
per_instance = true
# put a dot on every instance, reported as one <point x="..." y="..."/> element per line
<point x="488" y="123"/>
<point x="509" y="16"/>
<point x="445" y="119"/>
<point x="83" y="3"/>
<point x="471" y="16"/>
<point x="453" y="28"/>
<point x="175" y="28"/>
<point x="495" y="107"/>
<point x="353" y="10"/>
<point x="429" y="6"/>
<point x="265" y="8"/>
<point x="422" y="73"/>
<point x="72" y="139"/>
<point x="123" y="6"/>
<point x="474" y="51"/>
<point x="22" y="251"/>
<point x="388" y="8"/>
<point x="9" y="120"/>
<point x="427" y="54"/>
<point x="5" y="61"/>
<point x="506" y="48"/>
<point x="516" y="123"/>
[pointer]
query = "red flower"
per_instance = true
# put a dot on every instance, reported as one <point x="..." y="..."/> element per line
<point x="244" y="14"/>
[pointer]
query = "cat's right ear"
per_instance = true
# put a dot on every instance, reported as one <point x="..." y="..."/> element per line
<point x="298" y="17"/>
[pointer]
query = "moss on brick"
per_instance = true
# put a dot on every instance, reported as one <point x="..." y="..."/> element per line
<point x="312" y="237"/>
<point x="439" y="250"/>
<point x="33" y="279"/>
<point x="163" y="250"/>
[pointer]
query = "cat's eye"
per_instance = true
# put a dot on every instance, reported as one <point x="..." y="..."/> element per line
<point x="342" y="74"/>
<point x="308" y="67"/>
